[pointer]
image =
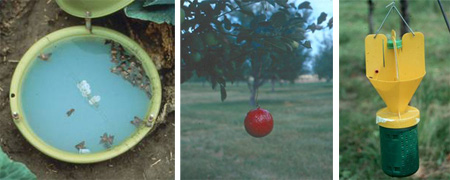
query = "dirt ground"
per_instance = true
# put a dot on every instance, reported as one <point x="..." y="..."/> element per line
<point x="23" y="22"/>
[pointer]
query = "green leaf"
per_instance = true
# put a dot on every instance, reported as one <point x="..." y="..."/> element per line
<point x="158" y="2"/>
<point x="247" y="12"/>
<point x="272" y="2"/>
<point x="223" y="93"/>
<point x="330" y="23"/>
<point x="205" y="7"/>
<point x="307" y="44"/>
<point x="297" y="21"/>
<point x="313" y="27"/>
<point x="282" y="3"/>
<point x="226" y="23"/>
<point x="158" y="13"/>
<point x="241" y="37"/>
<point x="305" y="5"/>
<point x="221" y="81"/>
<point x="279" y="18"/>
<point x="238" y="3"/>
<point x="13" y="170"/>
<point x="277" y="43"/>
<point x="197" y="44"/>
<point x="322" y="18"/>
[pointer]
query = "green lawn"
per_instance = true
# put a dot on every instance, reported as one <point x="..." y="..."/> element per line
<point x="359" y="138"/>
<point x="215" y="145"/>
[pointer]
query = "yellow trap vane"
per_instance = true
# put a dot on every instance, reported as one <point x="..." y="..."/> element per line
<point x="395" y="68"/>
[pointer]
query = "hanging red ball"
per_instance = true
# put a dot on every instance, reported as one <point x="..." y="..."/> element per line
<point x="258" y="122"/>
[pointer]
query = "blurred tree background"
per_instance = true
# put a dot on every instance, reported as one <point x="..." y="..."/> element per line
<point x="359" y="137"/>
<point x="259" y="44"/>
<point x="323" y="64"/>
<point x="249" y="40"/>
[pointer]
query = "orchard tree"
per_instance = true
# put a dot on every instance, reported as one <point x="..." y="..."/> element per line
<point x="323" y="63"/>
<point x="370" y="16"/>
<point x="257" y="40"/>
<point x="405" y="14"/>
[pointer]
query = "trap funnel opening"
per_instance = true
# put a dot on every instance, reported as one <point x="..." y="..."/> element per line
<point x="395" y="73"/>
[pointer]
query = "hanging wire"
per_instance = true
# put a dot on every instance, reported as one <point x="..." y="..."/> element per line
<point x="443" y="14"/>
<point x="259" y="77"/>
<point x="392" y="5"/>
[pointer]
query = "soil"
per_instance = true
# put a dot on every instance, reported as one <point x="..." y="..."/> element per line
<point x="23" y="22"/>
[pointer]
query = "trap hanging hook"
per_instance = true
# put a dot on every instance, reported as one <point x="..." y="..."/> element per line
<point x="88" y="21"/>
<point x="392" y="5"/>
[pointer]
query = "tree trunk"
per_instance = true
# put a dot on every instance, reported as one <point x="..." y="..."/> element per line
<point x="251" y="87"/>
<point x="253" y="98"/>
<point x="405" y="14"/>
<point x="370" y="2"/>
<point x="273" y="84"/>
<point x="258" y="82"/>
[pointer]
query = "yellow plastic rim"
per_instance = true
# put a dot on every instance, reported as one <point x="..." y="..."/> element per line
<point x="391" y="120"/>
<point x="73" y="32"/>
<point x="97" y="8"/>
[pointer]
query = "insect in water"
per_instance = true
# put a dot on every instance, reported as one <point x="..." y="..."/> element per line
<point x="106" y="140"/>
<point x="69" y="113"/>
<point x="108" y="41"/>
<point x="121" y="49"/>
<point x="137" y="121"/>
<point x="134" y="82"/>
<point x="113" y="52"/>
<point x="115" y="70"/>
<point x="149" y="123"/>
<point x="139" y="76"/>
<point x="123" y="57"/>
<point x="132" y="64"/>
<point x="44" y="57"/>
<point x="128" y="67"/>
<point x="80" y="145"/>
<point x="124" y="73"/>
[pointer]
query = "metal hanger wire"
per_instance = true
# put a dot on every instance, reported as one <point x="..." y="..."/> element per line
<point x="392" y="5"/>
<point x="445" y="17"/>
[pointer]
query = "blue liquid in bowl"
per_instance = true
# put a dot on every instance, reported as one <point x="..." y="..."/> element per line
<point x="49" y="91"/>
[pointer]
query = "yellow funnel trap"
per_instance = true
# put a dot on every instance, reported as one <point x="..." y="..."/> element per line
<point x="396" y="71"/>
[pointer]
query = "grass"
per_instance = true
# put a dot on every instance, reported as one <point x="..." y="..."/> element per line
<point x="359" y="138"/>
<point x="215" y="145"/>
